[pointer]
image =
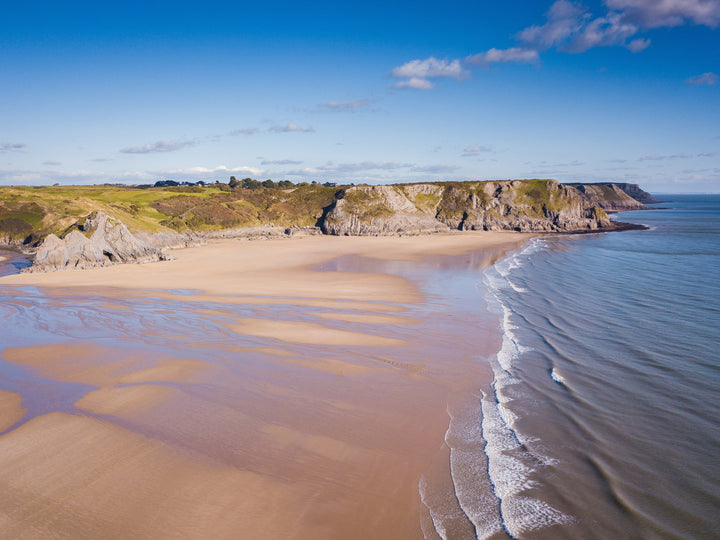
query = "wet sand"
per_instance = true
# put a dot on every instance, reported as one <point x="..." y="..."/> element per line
<point x="244" y="389"/>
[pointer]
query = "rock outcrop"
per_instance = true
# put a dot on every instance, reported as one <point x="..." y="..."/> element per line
<point x="529" y="206"/>
<point x="109" y="242"/>
<point x="383" y="210"/>
<point x="613" y="197"/>
<point x="637" y="193"/>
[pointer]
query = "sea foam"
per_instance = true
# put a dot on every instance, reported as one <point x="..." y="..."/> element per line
<point x="510" y="462"/>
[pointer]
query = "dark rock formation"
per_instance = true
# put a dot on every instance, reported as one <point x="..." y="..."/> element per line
<point x="110" y="243"/>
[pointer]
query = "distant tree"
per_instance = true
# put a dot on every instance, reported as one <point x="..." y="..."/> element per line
<point x="249" y="183"/>
<point x="166" y="183"/>
<point x="269" y="184"/>
<point x="284" y="184"/>
<point x="303" y="184"/>
<point x="329" y="184"/>
<point x="234" y="182"/>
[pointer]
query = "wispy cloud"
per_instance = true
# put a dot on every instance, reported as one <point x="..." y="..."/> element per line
<point x="156" y="147"/>
<point x="11" y="147"/>
<point x="245" y="131"/>
<point x="513" y="54"/>
<point x="281" y="162"/>
<point x="415" y="83"/>
<point x="706" y="79"/>
<point x="435" y="169"/>
<point x="200" y="171"/>
<point x="291" y="128"/>
<point x="348" y="168"/>
<point x="668" y="13"/>
<point x="51" y="163"/>
<point x="344" y="106"/>
<point x="474" y="150"/>
<point x="416" y="73"/>
<point x="657" y="157"/>
<point x="571" y="28"/>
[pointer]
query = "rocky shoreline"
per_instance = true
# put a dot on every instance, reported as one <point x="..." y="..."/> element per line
<point x="537" y="206"/>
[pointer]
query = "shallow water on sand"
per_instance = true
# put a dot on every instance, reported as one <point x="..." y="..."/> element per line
<point x="350" y="427"/>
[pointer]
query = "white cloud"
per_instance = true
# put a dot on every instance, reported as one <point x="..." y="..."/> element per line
<point x="11" y="147"/>
<point x="475" y="150"/>
<point x="344" y="106"/>
<point x="638" y="45"/>
<point x="651" y="157"/>
<point x="658" y="13"/>
<point x="571" y="28"/>
<point x="513" y="54"/>
<point x="706" y="79"/>
<point x="564" y="19"/>
<point x="417" y="72"/>
<point x="290" y="128"/>
<point x="51" y="163"/>
<point x="159" y="146"/>
<point x="430" y="67"/>
<point x="416" y="83"/>
<point x="706" y="154"/>
<point x="681" y="156"/>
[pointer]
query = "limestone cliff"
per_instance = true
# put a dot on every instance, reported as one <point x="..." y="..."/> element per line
<point x="382" y="210"/>
<point x="403" y="209"/>
<point x="615" y="197"/>
<point x="528" y="205"/>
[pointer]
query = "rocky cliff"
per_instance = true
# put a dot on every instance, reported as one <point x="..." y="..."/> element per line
<point x="527" y="205"/>
<point x="615" y="197"/>
<point x="99" y="241"/>
<point x="517" y="205"/>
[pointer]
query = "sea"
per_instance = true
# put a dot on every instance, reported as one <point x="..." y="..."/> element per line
<point x="603" y="416"/>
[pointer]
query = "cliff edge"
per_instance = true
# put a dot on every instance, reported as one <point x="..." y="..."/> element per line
<point x="517" y="205"/>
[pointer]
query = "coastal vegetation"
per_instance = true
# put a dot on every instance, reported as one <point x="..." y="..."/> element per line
<point x="29" y="214"/>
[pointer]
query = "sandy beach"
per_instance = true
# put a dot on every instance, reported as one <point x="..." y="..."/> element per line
<point x="293" y="388"/>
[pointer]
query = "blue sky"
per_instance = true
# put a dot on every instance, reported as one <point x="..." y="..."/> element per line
<point x="612" y="90"/>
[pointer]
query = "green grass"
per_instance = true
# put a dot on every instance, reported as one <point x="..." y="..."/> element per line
<point x="31" y="213"/>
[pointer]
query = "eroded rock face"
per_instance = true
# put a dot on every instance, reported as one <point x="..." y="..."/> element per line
<point x="382" y="210"/>
<point x="528" y="206"/>
<point x="110" y="243"/>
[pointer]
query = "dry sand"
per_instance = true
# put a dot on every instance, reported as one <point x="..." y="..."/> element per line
<point x="316" y="429"/>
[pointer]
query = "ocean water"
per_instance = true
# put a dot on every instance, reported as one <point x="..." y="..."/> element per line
<point x="603" y="419"/>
